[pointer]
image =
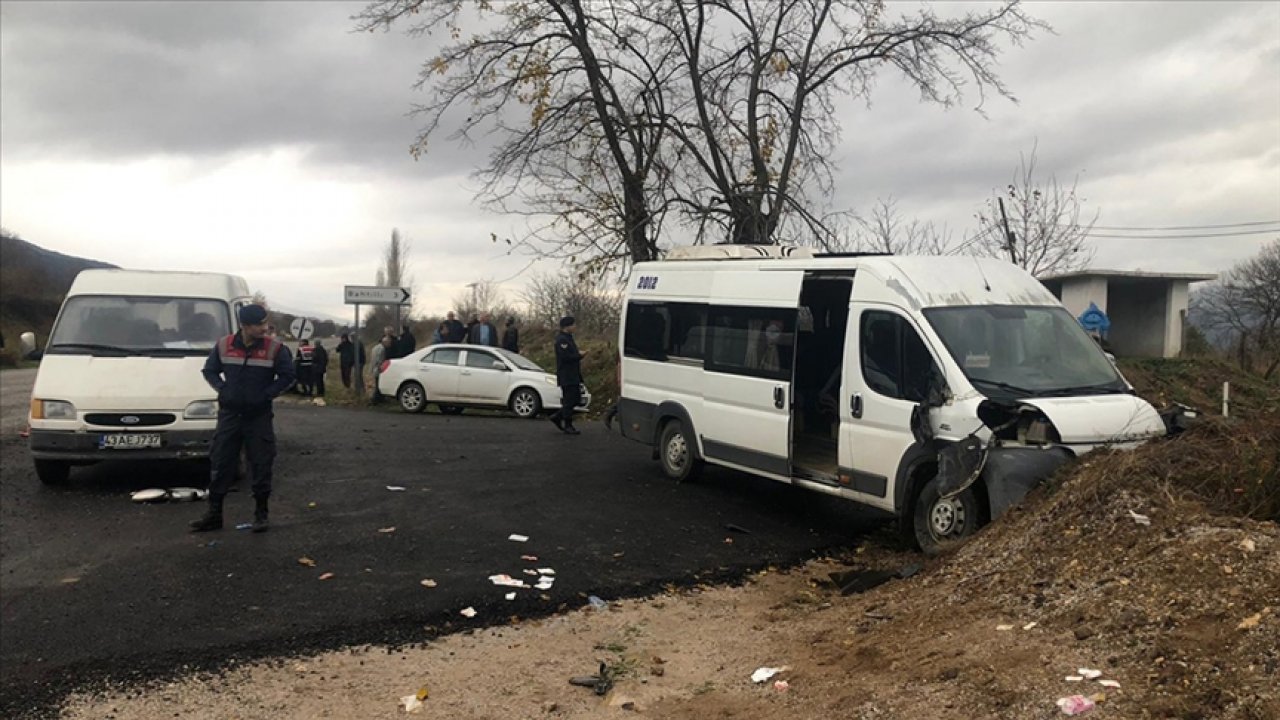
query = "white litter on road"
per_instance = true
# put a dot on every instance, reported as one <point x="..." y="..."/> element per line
<point x="546" y="571"/>
<point x="396" y="488"/>
<point x="468" y="612"/>
<point x="518" y="538"/>
<point x="1089" y="674"/>
<point x="411" y="703"/>
<point x="506" y="581"/>
<point x="1109" y="684"/>
<point x="764" y="673"/>
<point x="511" y="596"/>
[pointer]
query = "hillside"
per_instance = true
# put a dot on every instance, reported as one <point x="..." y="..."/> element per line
<point x="33" y="282"/>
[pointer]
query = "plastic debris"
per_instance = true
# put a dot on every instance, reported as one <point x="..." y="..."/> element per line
<point x="546" y="571"/>
<point x="543" y="586"/>
<point x="244" y="526"/>
<point x="186" y="494"/>
<point x="396" y="488"/>
<point x="1109" y="684"/>
<point x="1074" y="678"/>
<point x="1030" y="625"/>
<point x="1139" y="518"/>
<point x="1089" y="674"/>
<point x="387" y="529"/>
<point x="308" y="562"/>
<point x="468" y="612"/>
<point x="781" y="685"/>
<point x="326" y="576"/>
<point x="764" y="673"/>
<point x="518" y="538"/>
<point x="429" y="583"/>
<point x="1248" y="545"/>
<point x="1075" y="705"/>
<point x="150" y="495"/>
<point x="1004" y="628"/>
<point x="529" y="558"/>
<point x="510" y="596"/>
<point x="411" y="703"/>
<point x="596" y="603"/>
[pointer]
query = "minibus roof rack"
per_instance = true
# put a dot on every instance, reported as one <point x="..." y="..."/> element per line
<point x="850" y="254"/>
<point x="738" y="252"/>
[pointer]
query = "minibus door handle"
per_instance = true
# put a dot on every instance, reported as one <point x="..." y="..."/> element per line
<point x="779" y="397"/>
<point x="855" y="405"/>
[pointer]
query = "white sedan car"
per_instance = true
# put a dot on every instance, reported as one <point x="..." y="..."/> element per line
<point x="458" y="376"/>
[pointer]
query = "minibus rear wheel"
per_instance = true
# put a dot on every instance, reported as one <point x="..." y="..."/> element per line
<point x="941" y="525"/>
<point x="676" y="453"/>
<point x="53" y="472"/>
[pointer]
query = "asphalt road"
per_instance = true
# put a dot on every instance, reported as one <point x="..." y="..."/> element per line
<point x="94" y="587"/>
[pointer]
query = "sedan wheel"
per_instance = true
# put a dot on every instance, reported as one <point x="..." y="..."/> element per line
<point x="526" y="403"/>
<point x="413" y="399"/>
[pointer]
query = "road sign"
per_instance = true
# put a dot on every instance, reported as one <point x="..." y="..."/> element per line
<point x="375" y="295"/>
<point x="302" y="328"/>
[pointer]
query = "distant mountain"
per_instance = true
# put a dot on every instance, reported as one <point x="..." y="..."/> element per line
<point x="33" y="282"/>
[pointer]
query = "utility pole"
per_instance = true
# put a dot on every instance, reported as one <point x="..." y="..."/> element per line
<point x="1010" y="240"/>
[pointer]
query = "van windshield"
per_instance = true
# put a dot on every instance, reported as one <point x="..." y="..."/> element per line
<point x="121" y="325"/>
<point x="1022" y="351"/>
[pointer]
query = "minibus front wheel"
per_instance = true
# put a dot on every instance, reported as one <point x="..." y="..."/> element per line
<point x="53" y="472"/>
<point x="944" y="523"/>
<point x="677" y="453"/>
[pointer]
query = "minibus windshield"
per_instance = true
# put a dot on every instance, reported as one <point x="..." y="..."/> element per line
<point x="1023" y="351"/>
<point x="114" y="325"/>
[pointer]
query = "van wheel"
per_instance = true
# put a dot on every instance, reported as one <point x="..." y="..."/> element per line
<point x="53" y="472"/>
<point x="526" y="403"/>
<point x="412" y="398"/>
<point x="942" y="525"/>
<point x="675" y="451"/>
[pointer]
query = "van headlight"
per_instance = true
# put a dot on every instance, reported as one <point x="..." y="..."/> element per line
<point x="52" y="410"/>
<point x="201" y="410"/>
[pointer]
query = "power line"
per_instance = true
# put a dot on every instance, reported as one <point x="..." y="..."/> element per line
<point x="1179" y="227"/>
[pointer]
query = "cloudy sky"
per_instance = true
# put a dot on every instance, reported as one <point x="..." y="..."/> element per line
<point x="269" y="140"/>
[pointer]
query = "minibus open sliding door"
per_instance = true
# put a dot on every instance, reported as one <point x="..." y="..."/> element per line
<point x="749" y="362"/>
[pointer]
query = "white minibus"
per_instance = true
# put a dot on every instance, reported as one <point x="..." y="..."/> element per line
<point x="938" y="389"/>
<point x="120" y="375"/>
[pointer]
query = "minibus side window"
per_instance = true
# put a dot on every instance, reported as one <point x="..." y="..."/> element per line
<point x="662" y="331"/>
<point x="759" y="342"/>
<point x="895" y="361"/>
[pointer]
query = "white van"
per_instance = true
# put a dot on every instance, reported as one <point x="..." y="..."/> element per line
<point x="120" y="377"/>
<point x="939" y="389"/>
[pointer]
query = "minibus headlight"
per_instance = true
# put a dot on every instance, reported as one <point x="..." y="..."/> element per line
<point x="201" y="409"/>
<point x="52" y="410"/>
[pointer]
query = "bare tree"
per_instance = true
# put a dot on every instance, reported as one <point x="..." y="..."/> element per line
<point x="591" y="301"/>
<point x="885" y="230"/>
<point x="722" y="110"/>
<point x="483" y="297"/>
<point x="1049" y="235"/>
<point x="1244" y="305"/>
<point x="394" y="272"/>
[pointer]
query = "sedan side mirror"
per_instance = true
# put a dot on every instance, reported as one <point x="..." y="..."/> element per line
<point x="499" y="365"/>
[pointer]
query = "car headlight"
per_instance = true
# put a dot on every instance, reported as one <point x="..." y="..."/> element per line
<point x="201" y="410"/>
<point x="550" y="379"/>
<point x="52" y="410"/>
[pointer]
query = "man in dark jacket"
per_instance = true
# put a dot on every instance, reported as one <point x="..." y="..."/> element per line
<point x="568" y="376"/>
<point x="346" y="358"/>
<point x="304" y="363"/>
<point x="318" y="370"/>
<point x="407" y="343"/>
<point x="457" y="332"/>
<point x="248" y="370"/>
<point x="483" y="332"/>
<point x="511" y="336"/>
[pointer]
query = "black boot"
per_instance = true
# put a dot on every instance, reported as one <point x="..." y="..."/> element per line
<point x="260" y="513"/>
<point x="212" y="519"/>
<point x="569" y="429"/>
<point x="555" y="420"/>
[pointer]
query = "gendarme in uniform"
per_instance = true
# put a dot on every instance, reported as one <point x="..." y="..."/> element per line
<point x="568" y="376"/>
<point x="249" y="370"/>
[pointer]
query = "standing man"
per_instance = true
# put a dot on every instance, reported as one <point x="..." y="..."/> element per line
<point x="248" y="370"/>
<point x="511" y="336"/>
<point x="483" y="332"/>
<point x="305" y="362"/>
<point x="320" y="367"/>
<point x="346" y="358"/>
<point x="408" y="343"/>
<point x="568" y="376"/>
<point x="456" y="331"/>
<point x="381" y="354"/>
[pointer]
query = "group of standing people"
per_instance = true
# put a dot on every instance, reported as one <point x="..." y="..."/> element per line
<point x="479" y="331"/>
<point x="310" y="363"/>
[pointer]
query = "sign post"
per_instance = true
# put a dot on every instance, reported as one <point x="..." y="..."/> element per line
<point x="371" y="295"/>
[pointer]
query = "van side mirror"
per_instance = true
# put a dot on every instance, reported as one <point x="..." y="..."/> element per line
<point x="937" y="392"/>
<point x="27" y="341"/>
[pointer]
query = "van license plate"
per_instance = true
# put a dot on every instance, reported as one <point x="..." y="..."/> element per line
<point x="129" y="441"/>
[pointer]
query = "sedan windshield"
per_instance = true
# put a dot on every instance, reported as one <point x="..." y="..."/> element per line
<point x="521" y="361"/>
<point x="1024" y="351"/>
<point x="116" y="325"/>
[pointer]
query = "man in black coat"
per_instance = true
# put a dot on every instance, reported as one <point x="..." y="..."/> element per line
<point x="568" y="376"/>
<point x="457" y="332"/>
<point x="511" y="336"/>
<point x="321" y="367"/>
<point x="407" y="343"/>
